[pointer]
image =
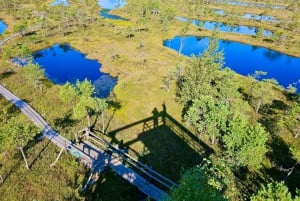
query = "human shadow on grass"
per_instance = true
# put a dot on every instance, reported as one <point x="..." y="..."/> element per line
<point x="168" y="146"/>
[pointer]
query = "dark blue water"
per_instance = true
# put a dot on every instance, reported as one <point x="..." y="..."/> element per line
<point x="109" y="5"/>
<point x="245" y="30"/>
<point x="60" y="2"/>
<point x="245" y="59"/>
<point x="3" y="26"/>
<point x="63" y="64"/>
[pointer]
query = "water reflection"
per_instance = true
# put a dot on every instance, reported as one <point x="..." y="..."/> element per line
<point x="249" y="16"/>
<point x="63" y="64"/>
<point x="60" y="2"/>
<point x="105" y="13"/>
<point x="259" y="5"/>
<point x="243" y="58"/>
<point x="240" y="29"/>
<point x="3" y="26"/>
<point x="259" y="17"/>
<point x="109" y="5"/>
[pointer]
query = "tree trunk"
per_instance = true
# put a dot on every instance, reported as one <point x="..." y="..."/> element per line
<point x="61" y="151"/>
<point x="103" y="126"/>
<point x="88" y="120"/>
<point x="200" y="136"/>
<point x="26" y="163"/>
<point x="291" y="171"/>
<point x="180" y="47"/>
<point x="1" y="179"/>
<point x="258" y="106"/>
<point x="297" y="133"/>
<point x="213" y="139"/>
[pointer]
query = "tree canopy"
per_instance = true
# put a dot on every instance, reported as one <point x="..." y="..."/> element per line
<point x="243" y="141"/>
<point x="274" y="191"/>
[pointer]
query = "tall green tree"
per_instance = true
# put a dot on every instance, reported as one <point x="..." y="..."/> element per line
<point x="69" y="94"/>
<point x="34" y="74"/>
<point x="167" y="14"/>
<point x="195" y="184"/>
<point x="85" y="88"/>
<point x="86" y="104"/>
<point x="84" y="107"/>
<point x="208" y="116"/>
<point x="245" y="143"/>
<point x="100" y="106"/>
<point x="291" y="120"/>
<point x="262" y="93"/>
<point x="200" y="73"/>
<point x="19" y="134"/>
<point x="227" y="87"/>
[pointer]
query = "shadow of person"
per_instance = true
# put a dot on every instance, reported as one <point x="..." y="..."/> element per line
<point x="155" y="117"/>
<point x="163" y="113"/>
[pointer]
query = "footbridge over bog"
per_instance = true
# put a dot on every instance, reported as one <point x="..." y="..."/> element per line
<point x="97" y="158"/>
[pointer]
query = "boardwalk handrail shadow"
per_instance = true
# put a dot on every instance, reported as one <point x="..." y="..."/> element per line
<point x="163" y="118"/>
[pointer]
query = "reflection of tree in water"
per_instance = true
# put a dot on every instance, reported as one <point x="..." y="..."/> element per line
<point x="273" y="55"/>
<point x="104" y="85"/>
<point x="38" y="55"/>
<point x="65" y="47"/>
<point x="199" y="38"/>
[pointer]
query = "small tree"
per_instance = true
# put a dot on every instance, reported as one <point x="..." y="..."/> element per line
<point x="85" y="88"/>
<point x="260" y="92"/>
<point x="291" y="120"/>
<point x="166" y="16"/>
<point x="208" y="116"/>
<point x="273" y="191"/>
<point x="245" y="143"/>
<point x="100" y="107"/>
<point x="84" y="108"/>
<point x="195" y="185"/>
<point x="6" y="141"/>
<point x="200" y="74"/>
<point x="69" y="94"/>
<point x="20" y="134"/>
<point x="34" y="74"/>
<point x="86" y="103"/>
<point x="20" y="27"/>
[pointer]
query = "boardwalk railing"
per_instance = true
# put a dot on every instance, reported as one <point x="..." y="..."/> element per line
<point x="149" y="172"/>
<point x="97" y="163"/>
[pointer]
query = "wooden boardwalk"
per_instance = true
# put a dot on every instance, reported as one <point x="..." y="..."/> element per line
<point x="92" y="156"/>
